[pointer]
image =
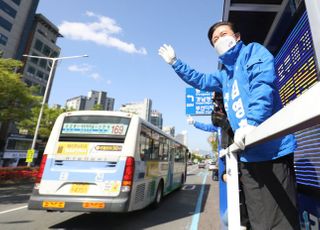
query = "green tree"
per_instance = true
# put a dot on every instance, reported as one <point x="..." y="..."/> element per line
<point x="49" y="116"/>
<point x="16" y="98"/>
<point x="97" y="107"/>
<point x="213" y="140"/>
<point x="196" y="156"/>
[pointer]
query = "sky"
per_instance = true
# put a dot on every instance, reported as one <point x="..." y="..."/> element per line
<point x="122" y="38"/>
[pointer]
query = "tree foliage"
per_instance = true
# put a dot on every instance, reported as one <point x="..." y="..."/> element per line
<point x="213" y="140"/>
<point x="49" y="116"/>
<point x="16" y="97"/>
<point x="97" y="107"/>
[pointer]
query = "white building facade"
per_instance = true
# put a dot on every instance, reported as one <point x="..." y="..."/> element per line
<point x="93" y="100"/>
<point x="143" y="109"/>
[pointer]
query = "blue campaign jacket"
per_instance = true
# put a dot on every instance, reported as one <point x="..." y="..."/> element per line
<point x="247" y="81"/>
<point x="205" y="127"/>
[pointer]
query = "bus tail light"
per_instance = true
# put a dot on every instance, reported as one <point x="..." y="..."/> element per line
<point x="41" y="169"/>
<point x="128" y="175"/>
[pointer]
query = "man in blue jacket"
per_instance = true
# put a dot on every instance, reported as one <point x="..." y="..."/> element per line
<point x="247" y="81"/>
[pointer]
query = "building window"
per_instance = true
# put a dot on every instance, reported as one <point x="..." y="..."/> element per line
<point x="16" y="2"/>
<point x="46" y="50"/>
<point x="54" y="54"/>
<point x="29" y="83"/>
<point x="43" y="63"/>
<point x="40" y="74"/>
<point x="31" y="70"/>
<point x="3" y="39"/>
<point x="38" y="45"/>
<point x="34" y="60"/>
<point x="8" y="9"/>
<point x="16" y="144"/>
<point x="42" y="33"/>
<point x="5" y="24"/>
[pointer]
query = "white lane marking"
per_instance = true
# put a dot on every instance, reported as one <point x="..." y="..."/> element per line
<point x="14" y="209"/>
<point x="196" y="215"/>
<point x="189" y="187"/>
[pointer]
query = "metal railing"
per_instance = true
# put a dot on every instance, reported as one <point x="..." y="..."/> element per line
<point x="299" y="114"/>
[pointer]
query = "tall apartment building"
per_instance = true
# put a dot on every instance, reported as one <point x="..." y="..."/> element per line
<point x="76" y="103"/>
<point x="93" y="99"/>
<point x="16" y="20"/>
<point x="41" y="42"/>
<point x="110" y="103"/>
<point x="156" y="118"/>
<point x="143" y="109"/>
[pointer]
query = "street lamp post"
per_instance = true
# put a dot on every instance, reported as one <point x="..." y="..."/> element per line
<point x="54" y="60"/>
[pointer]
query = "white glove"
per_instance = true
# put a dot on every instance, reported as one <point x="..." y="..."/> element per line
<point x="240" y="134"/>
<point x="223" y="152"/>
<point x="190" y="120"/>
<point x="167" y="53"/>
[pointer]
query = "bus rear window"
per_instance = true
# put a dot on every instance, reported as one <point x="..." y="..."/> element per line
<point x="95" y="126"/>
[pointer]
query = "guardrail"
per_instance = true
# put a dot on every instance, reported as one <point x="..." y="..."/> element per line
<point x="303" y="112"/>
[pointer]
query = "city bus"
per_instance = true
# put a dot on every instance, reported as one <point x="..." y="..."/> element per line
<point x="106" y="161"/>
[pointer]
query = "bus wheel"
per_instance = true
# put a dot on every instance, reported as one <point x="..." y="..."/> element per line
<point x="182" y="181"/>
<point x="158" y="198"/>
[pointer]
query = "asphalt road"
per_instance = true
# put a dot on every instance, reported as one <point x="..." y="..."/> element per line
<point x="195" y="206"/>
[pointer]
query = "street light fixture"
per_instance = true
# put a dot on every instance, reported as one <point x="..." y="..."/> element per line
<point x="54" y="60"/>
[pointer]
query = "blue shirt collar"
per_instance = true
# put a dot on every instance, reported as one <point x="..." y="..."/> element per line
<point x="229" y="58"/>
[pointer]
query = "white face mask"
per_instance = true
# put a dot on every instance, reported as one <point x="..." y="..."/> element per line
<point x="224" y="44"/>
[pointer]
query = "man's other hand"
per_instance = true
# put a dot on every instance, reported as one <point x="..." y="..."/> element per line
<point x="240" y="134"/>
<point x="190" y="120"/>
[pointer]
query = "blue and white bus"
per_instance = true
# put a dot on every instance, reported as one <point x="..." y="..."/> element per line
<point x="102" y="161"/>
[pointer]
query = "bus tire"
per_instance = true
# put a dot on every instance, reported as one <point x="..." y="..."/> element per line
<point x="183" y="180"/>
<point x="159" y="195"/>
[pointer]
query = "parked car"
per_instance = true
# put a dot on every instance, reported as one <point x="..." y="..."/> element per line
<point x="212" y="166"/>
<point x="215" y="171"/>
<point x="202" y="164"/>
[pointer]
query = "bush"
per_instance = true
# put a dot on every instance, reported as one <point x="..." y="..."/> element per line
<point x="18" y="174"/>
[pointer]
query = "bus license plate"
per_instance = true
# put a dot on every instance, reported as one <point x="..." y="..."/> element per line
<point x="79" y="188"/>
<point x="93" y="205"/>
<point x="53" y="204"/>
